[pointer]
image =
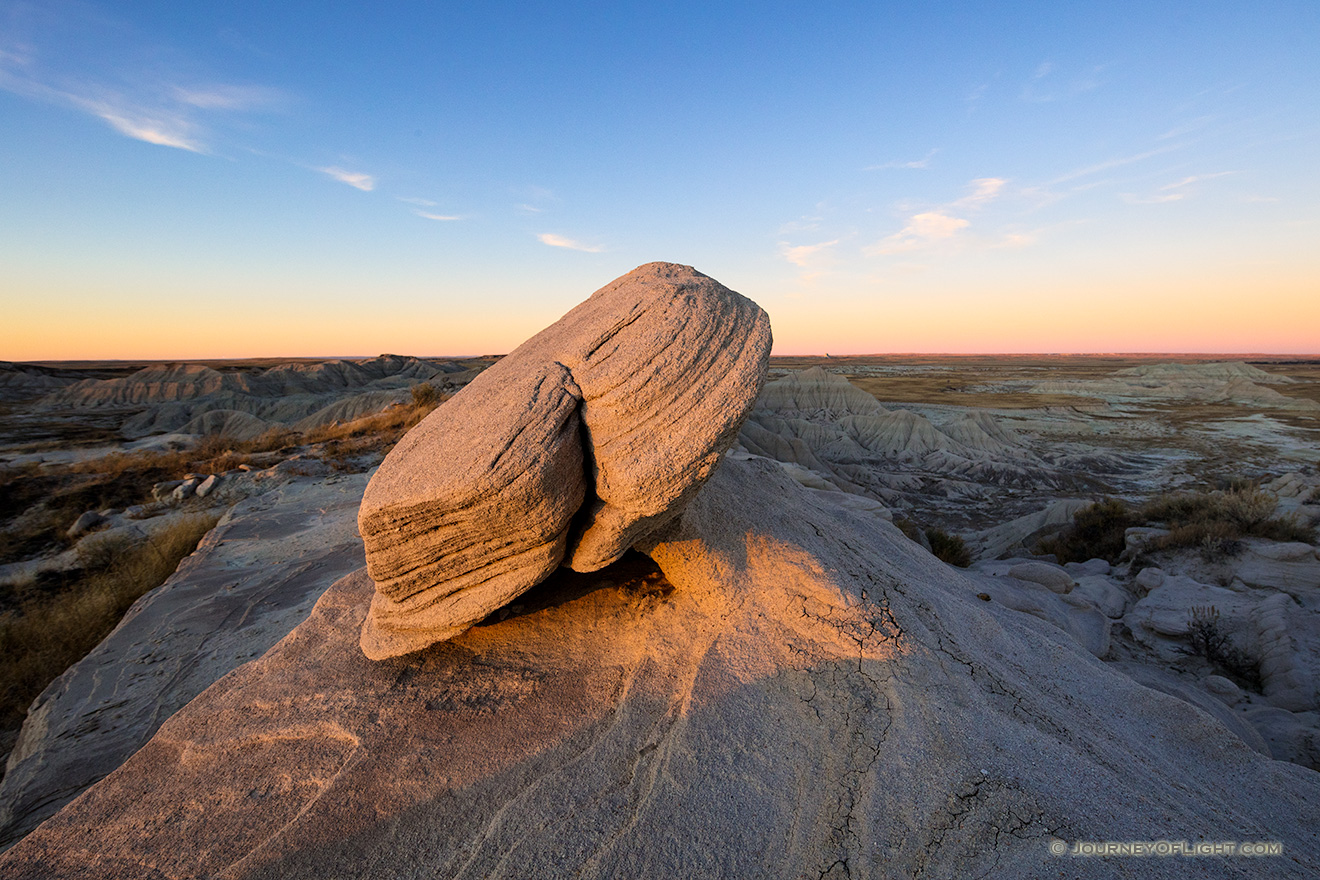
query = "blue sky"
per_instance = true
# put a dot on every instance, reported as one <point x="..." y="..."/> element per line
<point x="316" y="179"/>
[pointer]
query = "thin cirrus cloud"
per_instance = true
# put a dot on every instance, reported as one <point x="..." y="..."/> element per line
<point x="560" y="241"/>
<point x="1172" y="192"/>
<point x="928" y="228"/>
<point x="1113" y="163"/>
<point x="430" y="216"/>
<point x="412" y="200"/>
<point x="166" y="125"/>
<point x="801" y="255"/>
<point x="922" y="230"/>
<point x="984" y="189"/>
<point x="356" y="179"/>
<point x="153" y="128"/>
<point x="161" y="113"/>
<point x="916" y="164"/>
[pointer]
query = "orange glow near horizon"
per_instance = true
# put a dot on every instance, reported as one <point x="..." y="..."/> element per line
<point x="1165" y="316"/>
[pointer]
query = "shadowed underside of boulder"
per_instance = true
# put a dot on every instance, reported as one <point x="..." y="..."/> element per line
<point x="803" y="693"/>
<point x="587" y="437"/>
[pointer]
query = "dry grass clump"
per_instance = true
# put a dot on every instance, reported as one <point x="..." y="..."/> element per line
<point x="47" y="634"/>
<point x="375" y="434"/>
<point x="1214" y="522"/>
<point x="944" y="546"/>
<point x="37" y="505"/>
<point x="948" y="548"/>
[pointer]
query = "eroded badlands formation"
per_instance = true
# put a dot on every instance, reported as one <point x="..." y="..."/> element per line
<point x="796" y="690"/>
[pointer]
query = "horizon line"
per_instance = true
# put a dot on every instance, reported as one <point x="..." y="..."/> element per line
<point x="57" y="362"/>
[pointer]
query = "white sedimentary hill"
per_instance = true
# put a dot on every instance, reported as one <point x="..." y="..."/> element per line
<point x="822" y="422"/>
<point x="1233" y="383"/>
<point x="22" y="381"/>
<point x="197" y="399"/>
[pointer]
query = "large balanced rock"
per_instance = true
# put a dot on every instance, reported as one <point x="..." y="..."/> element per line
<point x="584" y="440"/>
<point x="804" y="693"/>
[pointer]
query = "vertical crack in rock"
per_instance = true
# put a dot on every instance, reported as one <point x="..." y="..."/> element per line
<point x="583" y="441"/>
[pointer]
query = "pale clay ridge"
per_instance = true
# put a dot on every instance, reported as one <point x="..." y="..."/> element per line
<point x="815" y="697"/>
<point x="578" y="444"/>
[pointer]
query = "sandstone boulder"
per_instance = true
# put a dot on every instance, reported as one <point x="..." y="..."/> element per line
<point x="585" y="439"/>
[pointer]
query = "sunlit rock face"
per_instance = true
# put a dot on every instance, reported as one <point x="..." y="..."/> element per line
<point x="588" y="437"/>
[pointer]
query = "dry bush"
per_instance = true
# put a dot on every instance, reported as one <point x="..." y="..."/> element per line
<point x="1206" y="638"/>
<point x="45" y="636"/>
<point x="425" y="395"/>
<point x="1213" y="522"/>
<point x="1097" y="532"/>
<point x="948" y="548"/>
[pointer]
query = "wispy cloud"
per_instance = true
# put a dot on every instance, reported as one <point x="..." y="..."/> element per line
<point x="148" y="108"/>
<point x="1195" y="178"/>
<point x="923" y="162"/>
<point x="364" y="182"/>
<point x="1186" y="128"/>
<point x="1114" y="163"/>
<point x="1157" y="199"/>
<point x="165" y="132"/>
<point x="227" y="97"/>
<point x="1016" y="240"/>
<point x="560" y="241"/>
<point x="429" y="216"/>
<point x="802" y="254"/>
<point x="1173" y="192"/>
<point x="984" y="189"/>
<point x="425" y="203"/>
<point x="922" y="230"/>
<point x="536" y="199"/>
<point x="938" y="225"/>
<point x="1044" y="86"/>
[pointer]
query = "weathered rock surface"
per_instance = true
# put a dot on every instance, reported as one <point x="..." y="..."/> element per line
<point x="813" y="696"/>
<point x="587" y="437"/>
<point x="1053" y="577"/>
<point x="254" y="577"/>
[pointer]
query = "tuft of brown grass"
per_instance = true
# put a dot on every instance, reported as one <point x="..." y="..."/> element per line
<point x="1213" y="522"/>
<point x="46" y="635"/>
<point x="37" y="505"/>
<point x="376" y="433"/>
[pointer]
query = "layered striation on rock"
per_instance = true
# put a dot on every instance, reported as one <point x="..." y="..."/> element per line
<point x="582" y="441"/>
